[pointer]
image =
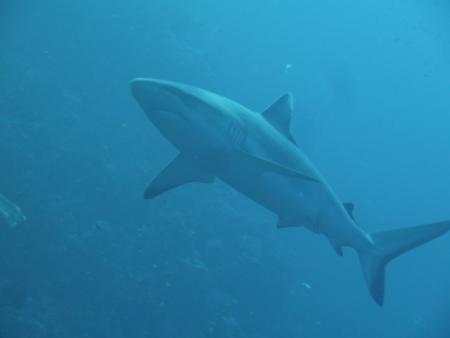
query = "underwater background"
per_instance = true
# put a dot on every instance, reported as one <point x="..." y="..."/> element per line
<point x="371" y="81"/>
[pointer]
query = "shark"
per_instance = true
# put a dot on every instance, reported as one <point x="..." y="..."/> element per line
<point x="256" y="154"/>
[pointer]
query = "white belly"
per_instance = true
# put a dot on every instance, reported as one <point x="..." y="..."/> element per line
<point x="288" y="197"/>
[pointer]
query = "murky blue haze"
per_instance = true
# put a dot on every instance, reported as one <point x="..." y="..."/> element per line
<point x="371" y="83"/>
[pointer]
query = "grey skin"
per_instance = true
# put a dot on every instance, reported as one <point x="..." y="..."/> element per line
<point x="257" y="156"/>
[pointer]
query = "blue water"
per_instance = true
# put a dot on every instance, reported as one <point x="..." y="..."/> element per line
<point x="93" y="259"/>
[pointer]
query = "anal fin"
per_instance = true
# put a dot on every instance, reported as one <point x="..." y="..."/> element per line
<point x="337" y="247"/>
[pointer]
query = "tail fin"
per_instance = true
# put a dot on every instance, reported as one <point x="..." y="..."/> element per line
<point x="390" y="244"/>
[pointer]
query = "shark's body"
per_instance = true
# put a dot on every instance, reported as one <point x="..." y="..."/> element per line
<point x="256" y="155"/>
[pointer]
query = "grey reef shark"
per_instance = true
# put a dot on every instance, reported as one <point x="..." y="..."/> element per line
<point x="255" y="154"/>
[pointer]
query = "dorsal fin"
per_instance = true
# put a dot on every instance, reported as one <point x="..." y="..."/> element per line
<point x="279" y="115"/>
<point x="350" y="207"/>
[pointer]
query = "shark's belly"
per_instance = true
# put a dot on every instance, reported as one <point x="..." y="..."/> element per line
<point x="297" y="201"/>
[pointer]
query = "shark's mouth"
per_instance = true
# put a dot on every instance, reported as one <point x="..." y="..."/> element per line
<point x="166" y="115"/>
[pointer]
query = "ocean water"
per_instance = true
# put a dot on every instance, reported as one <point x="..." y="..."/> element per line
<point x="94" y="259"/>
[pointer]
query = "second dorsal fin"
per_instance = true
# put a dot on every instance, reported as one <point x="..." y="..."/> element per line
<point x="279" y="115"/>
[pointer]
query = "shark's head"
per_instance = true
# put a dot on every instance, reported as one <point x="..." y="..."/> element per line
<point x="187" y="116"/>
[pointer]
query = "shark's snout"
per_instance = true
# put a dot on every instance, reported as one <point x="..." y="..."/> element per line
<point x="136" y="86"/>
<point x="155" y="97"/>
<point x="142" y="89"/>
<point x="164" y="105"/>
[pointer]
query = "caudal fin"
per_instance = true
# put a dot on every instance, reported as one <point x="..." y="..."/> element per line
<point x="390" y="244"/>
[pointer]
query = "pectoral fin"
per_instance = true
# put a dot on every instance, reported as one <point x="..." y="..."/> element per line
<point x="268" y="165"/>
<point x="180" y="171"/>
